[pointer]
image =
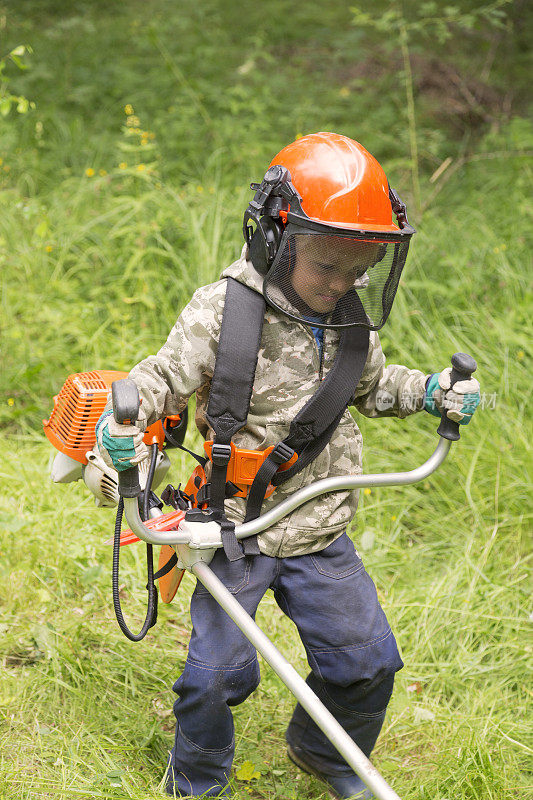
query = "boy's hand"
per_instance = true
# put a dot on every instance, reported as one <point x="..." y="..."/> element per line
<point x="459" y="402"/>
<point x="121" y="446"/>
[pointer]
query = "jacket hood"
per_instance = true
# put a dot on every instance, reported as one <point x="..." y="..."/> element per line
<point x="243" y="270"/>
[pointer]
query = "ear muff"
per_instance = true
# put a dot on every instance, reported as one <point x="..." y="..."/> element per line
<point x="265" y="243"/>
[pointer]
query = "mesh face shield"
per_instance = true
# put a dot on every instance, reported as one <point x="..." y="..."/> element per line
<point x="333" y="278"/>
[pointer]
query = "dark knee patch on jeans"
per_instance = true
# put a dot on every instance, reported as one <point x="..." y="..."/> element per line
<point x="370" y="661"/>
<point x="366" y="698"/>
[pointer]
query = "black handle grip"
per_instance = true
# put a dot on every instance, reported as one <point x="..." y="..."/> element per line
<point x="126" y="401"/>
<point x="126" y="404"/>
<point x="463" y="366"/>
<point x="128" y="482"/>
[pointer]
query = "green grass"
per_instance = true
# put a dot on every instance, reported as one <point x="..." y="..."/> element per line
<point x="94" y="272"/>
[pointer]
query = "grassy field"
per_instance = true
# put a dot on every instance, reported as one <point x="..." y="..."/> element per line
<point x="111" y="217"/>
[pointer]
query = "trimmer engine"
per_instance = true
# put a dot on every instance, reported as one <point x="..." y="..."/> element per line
<point x="70" y="429"/>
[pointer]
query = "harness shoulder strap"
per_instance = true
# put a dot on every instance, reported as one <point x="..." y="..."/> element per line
<point x="229" y="404"/>
<point x="315" y="423"/>
<point x="238" y="348"/>
<point x="231" y="385"/>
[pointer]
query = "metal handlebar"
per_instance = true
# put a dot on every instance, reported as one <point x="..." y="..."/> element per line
<point x="300" y="497"/>
<point x="126" y="409"/>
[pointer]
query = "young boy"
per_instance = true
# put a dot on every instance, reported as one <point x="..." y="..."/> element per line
<point x="327" y="257"/>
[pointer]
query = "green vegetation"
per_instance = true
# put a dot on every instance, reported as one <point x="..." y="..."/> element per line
<point x="112" y="215"/>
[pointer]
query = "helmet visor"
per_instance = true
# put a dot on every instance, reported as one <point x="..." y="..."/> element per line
<point x="336" y="280"/>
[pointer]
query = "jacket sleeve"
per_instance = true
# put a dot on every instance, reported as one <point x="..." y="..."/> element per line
<point x="388" y="391"/>
<point x="186" y="361"/>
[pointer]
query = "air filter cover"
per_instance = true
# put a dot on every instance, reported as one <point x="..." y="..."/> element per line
<point x="77" y="409"/>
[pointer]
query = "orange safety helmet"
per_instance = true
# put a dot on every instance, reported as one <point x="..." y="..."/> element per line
<point x="323" y="223"/>
<point x="340" y="183"/>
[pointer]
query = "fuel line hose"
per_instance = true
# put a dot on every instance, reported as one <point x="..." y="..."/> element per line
<point x="151" y="611"/>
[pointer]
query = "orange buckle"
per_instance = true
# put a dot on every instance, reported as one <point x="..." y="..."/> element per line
<point x="155" y="433"/>
<point x="244" y="465"/>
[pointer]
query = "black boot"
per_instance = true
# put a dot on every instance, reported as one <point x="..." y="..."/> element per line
<point x="342" y="787"/>
<point x="353" y="707"/>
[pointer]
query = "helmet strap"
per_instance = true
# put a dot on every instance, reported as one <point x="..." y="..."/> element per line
<point x="399" y="208"/>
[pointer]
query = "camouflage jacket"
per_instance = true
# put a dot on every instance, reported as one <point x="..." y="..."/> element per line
<point x="287" y="374"/>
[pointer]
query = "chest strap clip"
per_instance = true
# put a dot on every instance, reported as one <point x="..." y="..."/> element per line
<point x="281" y="453"/>
<point x="220" y="454"/>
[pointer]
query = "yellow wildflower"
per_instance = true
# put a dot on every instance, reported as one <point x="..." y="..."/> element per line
<point x="128" y="109"/>
<point x="141" y="167"/>
<point x="199" y="189"/>
<point x="393" y="517"/>
<point x="49" y="248"/>
<point x="122" y="165"/>
<point x="1" y="161"/>
<point x="89" y="172"/>
<point x="344" y="91"/>
<point x="368" y="491"/>
<point x="520" y="355"/>
<point x="102" y="172"/>
<point x="11" y="401"/>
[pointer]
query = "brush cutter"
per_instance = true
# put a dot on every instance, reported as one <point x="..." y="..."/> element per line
<point x="189" y="536"/>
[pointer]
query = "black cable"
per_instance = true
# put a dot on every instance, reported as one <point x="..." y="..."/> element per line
<point x="150" y="585"/>
<point x="151" y="611"/>
<point x="149" y="481"/>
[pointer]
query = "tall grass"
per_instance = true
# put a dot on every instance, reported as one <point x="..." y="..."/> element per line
<point x="95" y="269"/>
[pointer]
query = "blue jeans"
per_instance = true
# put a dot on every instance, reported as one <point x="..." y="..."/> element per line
<point x="350" y="648"/>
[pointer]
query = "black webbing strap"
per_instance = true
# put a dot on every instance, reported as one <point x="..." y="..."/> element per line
<point x="263" y="477"/>
<point x="230" y="543"/>
<point x="231" y="388"/>
<point x="231" y="546"/>
<point x="171" y="563"/>
<point x="202" y="460"/>
<point x="314" y="425"/>
<point x="250" y="546"/>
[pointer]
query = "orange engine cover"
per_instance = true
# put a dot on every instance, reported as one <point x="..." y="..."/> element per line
<point x="78" y="407"/>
